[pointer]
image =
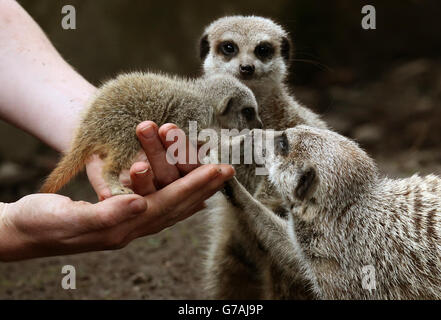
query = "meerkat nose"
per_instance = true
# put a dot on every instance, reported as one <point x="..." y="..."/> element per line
<point x="259" y="124"/>
<point x="246" y="70"/>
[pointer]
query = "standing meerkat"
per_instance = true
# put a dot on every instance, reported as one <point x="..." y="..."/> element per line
<point x="108" y="126"/>
<point x="256" y="51"/>
<point x="356" y="234"/>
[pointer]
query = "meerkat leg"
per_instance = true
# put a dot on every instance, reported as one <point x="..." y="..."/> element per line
<point x="280" y="284"/>
<point x="233" y="262"/>
<point x="243" y="264"/>
<point x="111" y="171"/>
<point x="283" y="285"/>
<point x="271" y="230"/>
<point x="233" y="273"/>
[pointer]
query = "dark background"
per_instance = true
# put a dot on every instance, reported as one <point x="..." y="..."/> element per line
<point x="380" y="87"/>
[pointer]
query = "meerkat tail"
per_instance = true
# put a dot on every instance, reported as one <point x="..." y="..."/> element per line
<point x="68" y="167"/>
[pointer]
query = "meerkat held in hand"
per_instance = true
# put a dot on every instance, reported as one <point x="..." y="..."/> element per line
<point x="258" y="52"/>
<point x="344" y="216"/>
<point x="108" y="126"/>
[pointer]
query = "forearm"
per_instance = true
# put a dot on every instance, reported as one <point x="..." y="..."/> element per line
<point x="40" y="92"/>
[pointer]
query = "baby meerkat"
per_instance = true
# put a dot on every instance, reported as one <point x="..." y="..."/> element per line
<point x="356" y="234"/>
<point x="257" y="51"/>
<point x="108" y="126"/>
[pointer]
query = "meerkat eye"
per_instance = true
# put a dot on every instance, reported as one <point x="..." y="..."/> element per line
<point x="264" y="50"/>
<point x="228" y="48"/>
<point x="248" y="113"/>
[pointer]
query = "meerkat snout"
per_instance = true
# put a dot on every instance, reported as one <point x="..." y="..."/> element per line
<point x="239" y="112"/>
<point x="264" y="142"/>
<point x="246" y="70"/>
<point x="238" y="108"/>
<point x="266" y="138"/>
<point x="303" y="156"/>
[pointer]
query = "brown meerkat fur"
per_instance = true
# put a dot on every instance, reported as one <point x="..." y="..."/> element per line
<point x="257" y="51"/>
<point x="344" y="216"/>
<point x="108" y="126"/>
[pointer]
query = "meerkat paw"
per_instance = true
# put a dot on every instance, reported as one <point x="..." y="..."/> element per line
<point x="117" y="190"/>
<point x="236" y="193"/>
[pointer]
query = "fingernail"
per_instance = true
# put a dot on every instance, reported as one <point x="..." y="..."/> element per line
<point x="138" y="205"/>
<point x="148" y="131"/>
<point x="142" y="172"/>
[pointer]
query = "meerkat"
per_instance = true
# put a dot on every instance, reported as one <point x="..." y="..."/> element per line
<point x="355" y="233"/>
<point x="258" y="52"/>
<point x="108" y="126"/>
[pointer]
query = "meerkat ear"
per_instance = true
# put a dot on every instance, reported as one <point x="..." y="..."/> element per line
<point x="225" y="106"/>
<point x="306" y="183"/>
<point x="286" y="50"/>
<point x="204" y="47"/>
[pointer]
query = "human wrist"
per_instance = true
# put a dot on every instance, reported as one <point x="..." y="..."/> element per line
<point x="70" y="116"/>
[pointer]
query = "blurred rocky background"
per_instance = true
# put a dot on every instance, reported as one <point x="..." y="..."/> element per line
<point x="381" y="87"/>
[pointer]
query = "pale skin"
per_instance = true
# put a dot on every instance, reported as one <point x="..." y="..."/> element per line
<point x="44" y="95"/>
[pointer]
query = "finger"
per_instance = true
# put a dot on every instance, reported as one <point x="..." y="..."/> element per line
<point x="192" y="188"/>
<point x="193" y="202"/>
<point x="146" y="225"/>
<point x="141" y="175"/>
<point x="124" y="176"/>
<point x="164" y="172"/>
<point x="166" y="133"/>
<point x="200" y="206"/>
<point x="94" y="172"/>
<point x="196" y="207"/>
<point x="166" y="207"/>
<point x="108" y="213"/>
<point x="164" y="211"/>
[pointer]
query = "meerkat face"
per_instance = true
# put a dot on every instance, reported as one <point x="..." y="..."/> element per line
<point x="318" y="166"/>
<point x="252" y="49"/>
<point x="235" y="104"/>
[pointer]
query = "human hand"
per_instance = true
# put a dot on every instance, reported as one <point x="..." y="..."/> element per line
<point x="41" y="225"/>
<point x="48" y="224"/>
<point x="150" y="170"/>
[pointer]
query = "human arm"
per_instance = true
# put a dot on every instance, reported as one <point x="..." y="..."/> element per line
<point x="40" y="92"/>
<point x="43" y="95"/>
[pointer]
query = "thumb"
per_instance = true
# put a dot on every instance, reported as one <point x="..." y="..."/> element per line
<point x="93" y="168"/>
<point x="110" y="212"/>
